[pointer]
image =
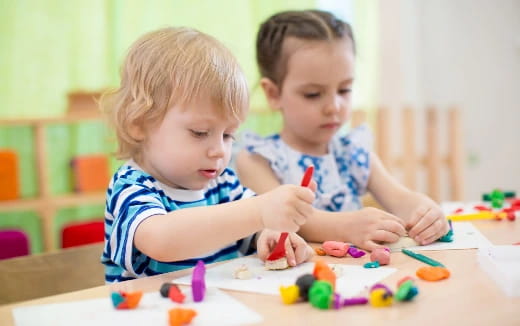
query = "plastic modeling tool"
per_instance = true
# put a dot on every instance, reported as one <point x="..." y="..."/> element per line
<point x="278" y="259"/>
<point x="307" y="176"/>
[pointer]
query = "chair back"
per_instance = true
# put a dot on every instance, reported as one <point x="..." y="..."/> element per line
<point x="406" y="160"/>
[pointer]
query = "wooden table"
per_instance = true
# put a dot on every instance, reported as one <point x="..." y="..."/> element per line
<point x="468" y="297"/>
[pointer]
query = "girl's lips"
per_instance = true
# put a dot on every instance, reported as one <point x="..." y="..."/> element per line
<point x="210" y="174"/>
<point x="330" y="125"/>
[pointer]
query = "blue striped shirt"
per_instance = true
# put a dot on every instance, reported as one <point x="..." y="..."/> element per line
<point x="133" y="195"/>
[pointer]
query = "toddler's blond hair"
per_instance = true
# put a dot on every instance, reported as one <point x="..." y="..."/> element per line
<point x="166" y="67"/>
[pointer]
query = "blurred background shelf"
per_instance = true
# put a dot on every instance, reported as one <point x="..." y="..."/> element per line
<point x="58" y="201"/>
<point x="82" y="107"/>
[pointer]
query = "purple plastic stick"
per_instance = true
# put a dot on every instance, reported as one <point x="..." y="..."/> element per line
<point x="354" y="301"/>
<point x="198" y="283"/>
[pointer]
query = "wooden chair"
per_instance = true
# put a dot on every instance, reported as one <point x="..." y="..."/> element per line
<point x="409" y="161"/>
<point x="35" y="276"/>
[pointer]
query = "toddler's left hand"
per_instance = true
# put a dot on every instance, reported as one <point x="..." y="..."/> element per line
<point x="298" y="251"/>
<point x="427" y="224"/>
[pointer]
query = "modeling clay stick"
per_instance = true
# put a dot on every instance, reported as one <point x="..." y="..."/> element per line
<point x="198" y="283"/>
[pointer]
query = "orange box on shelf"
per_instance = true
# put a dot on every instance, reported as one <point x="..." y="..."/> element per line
<point x="9" y="186"/>
<point x="90" y="173"/>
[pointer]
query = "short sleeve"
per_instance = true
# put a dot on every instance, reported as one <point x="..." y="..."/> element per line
<point x="271" y="149"/>
<point x="352" y="153"/>
<point x="129" y="203"/>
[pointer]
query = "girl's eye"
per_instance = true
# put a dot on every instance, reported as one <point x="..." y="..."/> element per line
<point x="345" y="90"/>
<point x="311" y="95"/>
<point x="199" y="134"/>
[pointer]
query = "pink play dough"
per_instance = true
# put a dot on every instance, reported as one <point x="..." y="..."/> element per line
<point x="335" y="248"/>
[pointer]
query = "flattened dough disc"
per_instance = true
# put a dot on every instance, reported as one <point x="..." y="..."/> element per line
<point x="403" y="242"/>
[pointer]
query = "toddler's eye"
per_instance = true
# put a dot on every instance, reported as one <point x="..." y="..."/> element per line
<point x="229" y="136"/>
<point x="345" y="91"/>
<point x="199" y="134"/>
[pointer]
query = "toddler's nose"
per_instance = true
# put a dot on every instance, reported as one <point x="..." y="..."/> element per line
<point x="217" y="149"/>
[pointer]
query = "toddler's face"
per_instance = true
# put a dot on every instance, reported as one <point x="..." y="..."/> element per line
<point x="190" y="147"/>
<point x="315" y="98"/>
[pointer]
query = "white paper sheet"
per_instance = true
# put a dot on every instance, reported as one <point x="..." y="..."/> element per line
<point x="352" y="281"/>
<point x="465" y="236"/>
<point x="218" y="308"/>
<point x="502" y="263"/>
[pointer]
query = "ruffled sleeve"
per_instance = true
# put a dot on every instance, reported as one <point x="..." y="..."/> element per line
<point x="352" y="152"/>
<point x="270" y="148"/>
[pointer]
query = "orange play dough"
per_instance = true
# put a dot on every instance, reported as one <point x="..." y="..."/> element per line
<point x="433" y="273"/>
<point x="320" y="251"/>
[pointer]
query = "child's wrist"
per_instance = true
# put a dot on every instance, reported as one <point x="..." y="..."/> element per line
<point x="256" y="213"/>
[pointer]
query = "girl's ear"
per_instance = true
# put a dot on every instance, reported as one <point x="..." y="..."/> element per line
<point x="272" y="92"/>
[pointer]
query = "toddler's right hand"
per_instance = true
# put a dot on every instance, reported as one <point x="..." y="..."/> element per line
<point x="286" y="207"/>
<point x="375" y="226"/>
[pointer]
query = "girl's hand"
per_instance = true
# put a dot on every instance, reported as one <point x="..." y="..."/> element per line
<point x="427" y="224"/>
<point x="286" y="207"/>
<point x="297" y="250"/>
<point x="374" y="227"/>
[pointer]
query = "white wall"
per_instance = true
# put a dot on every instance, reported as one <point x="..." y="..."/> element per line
<point x="464" y="53"/>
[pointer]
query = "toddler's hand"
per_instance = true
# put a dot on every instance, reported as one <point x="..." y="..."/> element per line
<point x="287" y="207"/>
<point x="374" y="227"/>
<point x="427" y="224"/>
<point x="297" y="250"/>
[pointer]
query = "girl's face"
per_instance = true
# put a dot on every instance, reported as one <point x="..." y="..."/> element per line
<point x="190" y="147"/>
<point x="315" y="97"/>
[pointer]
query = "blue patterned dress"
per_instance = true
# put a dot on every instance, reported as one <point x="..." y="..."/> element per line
<point x="341" y="174"/>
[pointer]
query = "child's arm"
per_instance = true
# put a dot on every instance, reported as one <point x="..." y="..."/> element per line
<point x="364" y="228"/>
<point x="423" y="217"/>
<point x="191" y="232"/>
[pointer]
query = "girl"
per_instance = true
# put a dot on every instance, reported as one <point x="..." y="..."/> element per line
<point x="161" y="209"/>
<point x="306" y="62"/>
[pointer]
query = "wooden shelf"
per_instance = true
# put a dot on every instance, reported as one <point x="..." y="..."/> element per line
<point x="58" y="201"/>
<point x="72" y="118"/>
<point x="82" y="107"/>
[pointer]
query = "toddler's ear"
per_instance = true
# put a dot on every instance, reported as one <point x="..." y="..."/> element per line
<point x="136" y="131"/>
<point x="271" y="91"/>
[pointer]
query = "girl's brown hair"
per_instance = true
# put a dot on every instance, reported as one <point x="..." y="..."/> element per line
<point x="166" y="67"/>
<point x="311" y="25"/>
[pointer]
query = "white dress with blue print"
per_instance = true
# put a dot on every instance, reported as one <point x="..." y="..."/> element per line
<point x="341" y="174"/>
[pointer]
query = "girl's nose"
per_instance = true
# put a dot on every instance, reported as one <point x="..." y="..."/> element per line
<point x="333" y="105"/>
